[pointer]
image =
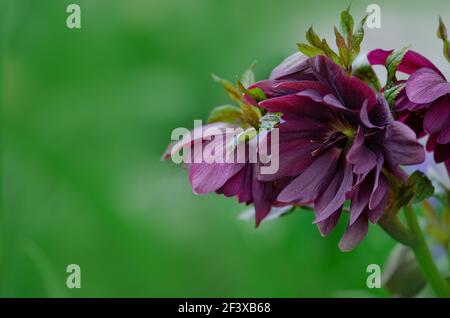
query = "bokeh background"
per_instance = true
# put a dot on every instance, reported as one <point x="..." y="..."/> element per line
<point x="87" y="113"/>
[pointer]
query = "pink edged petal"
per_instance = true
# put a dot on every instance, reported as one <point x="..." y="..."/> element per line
<point x="412" y="61"/>
<point x="425" y="86"/>
<point x="401" y="145"/>
<point x="308" y="185"/>
<point x="350" y="90"/>
<point x="327" y="225"/>
<point x="354" y="234"/>
<point x="438" y="116"/>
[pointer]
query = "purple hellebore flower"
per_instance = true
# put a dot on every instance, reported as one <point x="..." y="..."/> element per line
<point x="237" y="178"/>
<point x="337" y="141"/>
<point x="424" y="104"/>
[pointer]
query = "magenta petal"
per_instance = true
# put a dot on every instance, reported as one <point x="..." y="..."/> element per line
<point x="438" y="116"/>
<point x="354" y="234"/>
<point x="308" y="185"/>
<point x="425" y="86"/>
<point x="412" y="61"/>
<point x="402" y="146"/>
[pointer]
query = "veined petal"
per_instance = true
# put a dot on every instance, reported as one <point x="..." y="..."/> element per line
<point x="425" y="86"/>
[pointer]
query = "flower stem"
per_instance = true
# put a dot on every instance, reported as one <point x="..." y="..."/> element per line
<point x="423" y="256"/>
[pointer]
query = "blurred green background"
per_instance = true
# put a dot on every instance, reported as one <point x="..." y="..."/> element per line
<point x="87" y="113"/>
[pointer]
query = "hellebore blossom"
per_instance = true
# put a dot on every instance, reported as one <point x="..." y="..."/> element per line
<point x="338" y="141"/>
<point x="233" y="177"/>
<point x="424" y="103"/>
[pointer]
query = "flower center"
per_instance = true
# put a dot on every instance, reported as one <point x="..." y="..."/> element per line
<point x="337" y="139"/>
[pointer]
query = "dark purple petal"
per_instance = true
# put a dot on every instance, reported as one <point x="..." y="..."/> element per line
<point x="437" y="116"/>
<point x="354" y="234"/>
<point x="444" y="135"/>
<point x="360" y="200"/>
<point x="401" y="145"/>
<point x="350" y="90"/>
<point x="425" y="86"/>
<point x="298" y="105"/>
<point x="345" y="176"/>
<point x="312" y="181"/>
<point x="326" y="226"/>
<point x="295" y="156"/>
<point x="360" y="156"/>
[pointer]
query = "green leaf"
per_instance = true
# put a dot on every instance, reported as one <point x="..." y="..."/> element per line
<point x="232" y="91"/>
<point x="347" y="24"/>
<point x="329" y="52"/>
<point x="248" y="77"/>
<point x="391" y="93"/>
<point x="226" y="114"/>
<point x="269" y="121"/>
<point x="313" y="38"/>
<point x="364" y="71"/>
<point x="344" y="52"/>
<point x="419" y="187"/>
<point x="251" y="115"/>
<point x="255" y="93"/>
<point x="358" y="37"/>
<point x="392" y="63"/>
<point x="309" y="50"/>
<point x="442" y="34"/>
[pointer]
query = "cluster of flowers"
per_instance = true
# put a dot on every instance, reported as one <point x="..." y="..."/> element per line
<point x="342" y="137"/>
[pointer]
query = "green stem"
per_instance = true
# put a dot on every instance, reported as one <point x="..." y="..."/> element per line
<point x="424" y="258"/>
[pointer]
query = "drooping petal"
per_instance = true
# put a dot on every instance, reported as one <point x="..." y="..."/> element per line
<point x="425" y="86"/>
<point x="345" y="176"/>
<point x="401" y="145"/>
<point x="354" y="234"/>
<point x="360" y="200"/>
<point x="327" y="225"/>
<point x="360" y="156"/>
<point x="312" y="181"/>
